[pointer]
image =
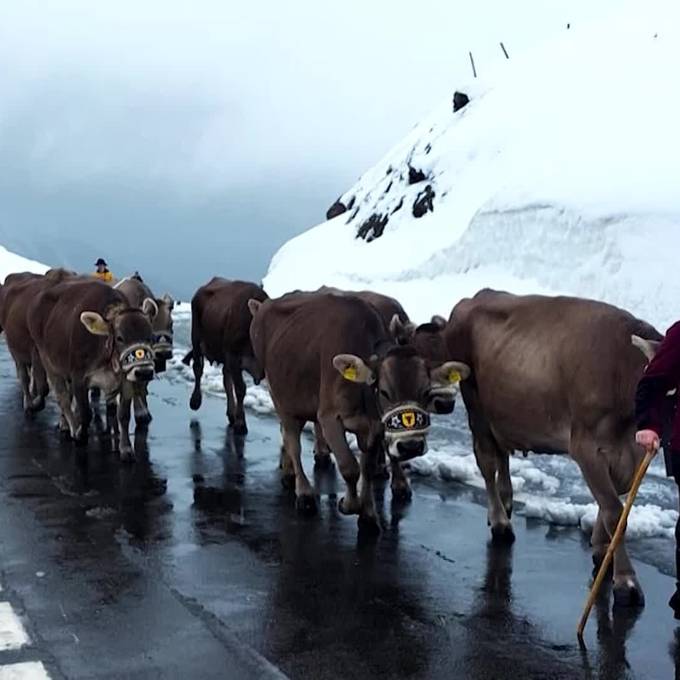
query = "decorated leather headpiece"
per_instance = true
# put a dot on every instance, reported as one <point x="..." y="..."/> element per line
<point x="406" y="420"/>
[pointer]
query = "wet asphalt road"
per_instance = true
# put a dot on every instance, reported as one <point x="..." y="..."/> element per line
<point x="194" y="564"/>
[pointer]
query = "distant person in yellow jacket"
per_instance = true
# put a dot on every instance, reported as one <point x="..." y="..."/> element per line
<point x="102" y="273"/>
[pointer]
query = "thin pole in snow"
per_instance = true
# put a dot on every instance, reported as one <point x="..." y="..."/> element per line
<point x="472" y="61"/>
<point x="505" y="52"/>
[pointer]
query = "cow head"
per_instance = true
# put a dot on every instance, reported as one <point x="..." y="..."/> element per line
<point x="402" y="383"/>
<point x="163" y="331"/>
<point x="129" y="338"/>
<point x="429" y="342"/>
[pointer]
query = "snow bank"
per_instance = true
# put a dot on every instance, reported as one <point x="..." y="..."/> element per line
<point x="540" y="495"/>
<point x="560" y="176"/>
<point x="644" y="521"/>
<point x="11" y="264"/>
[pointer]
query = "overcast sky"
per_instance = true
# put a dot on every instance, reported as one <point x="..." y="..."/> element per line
<point x="186" y="139"/>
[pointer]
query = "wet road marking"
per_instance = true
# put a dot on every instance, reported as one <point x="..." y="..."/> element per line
<point x="13" y="635"/>
<point x="28" y="670"/>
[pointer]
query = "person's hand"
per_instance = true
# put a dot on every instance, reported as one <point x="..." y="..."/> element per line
<point x="648" y="439"/>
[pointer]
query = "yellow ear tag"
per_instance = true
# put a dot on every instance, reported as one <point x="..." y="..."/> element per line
<point x="350" y="373"/>
<point x="454" y="377"/>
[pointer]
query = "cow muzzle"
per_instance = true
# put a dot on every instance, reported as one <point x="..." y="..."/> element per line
<point x="137" y="363"/>
<point x="162" y="345"/>
<point x="442" y="400"/>
<point x="406" y="427"/>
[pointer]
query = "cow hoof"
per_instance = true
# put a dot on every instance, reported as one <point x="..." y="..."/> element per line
<point x="502" y="534"/>
<point x="368" y="525"/>
<point x="143" y="420"/>
<point x="347" y="508"/>
<point x="80" y="436"/>
<point x="127" y="456"/>
<point x="401" y="494"/>
<point x="674" y="603"/>
<point x="195" y="401"/>
<point x="381" y="472"/>
<point x="38" y="404"/>
<point x="239" y="429"/>
<point x="323" y="461"/>
<point x="306" y="505"/>
<point x="628" y="594"/>
<point x="288" y="482"/>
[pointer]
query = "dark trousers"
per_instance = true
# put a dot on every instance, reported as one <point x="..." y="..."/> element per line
<point x="672" y="459"/>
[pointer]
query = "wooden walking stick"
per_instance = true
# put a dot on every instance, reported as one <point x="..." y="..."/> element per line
<point x="616" y="539"/>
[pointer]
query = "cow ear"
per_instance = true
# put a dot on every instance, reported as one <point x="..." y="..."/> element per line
<point x="353" y="368"/>
<point x="94" y="323"/>
<point x="167" y="299"/>
<point x="647" y="347"/>
<point x="150" y="308"/>
<point x="402" y="333"/>
<point x="254" y="306"/>
<point x="438" y="321"/>
<point x="450" y="373"/>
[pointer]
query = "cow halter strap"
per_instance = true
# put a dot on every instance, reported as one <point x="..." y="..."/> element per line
<point x="162" y="338"/>
<point x="136" y="356"/>
<point x="406" y="420"/>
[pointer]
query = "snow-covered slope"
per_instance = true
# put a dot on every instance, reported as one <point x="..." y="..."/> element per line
<point x="560" y="175"/>
<point x="11" y="263"/>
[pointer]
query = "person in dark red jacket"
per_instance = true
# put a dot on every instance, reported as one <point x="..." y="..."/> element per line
<point x="657" y="417"/>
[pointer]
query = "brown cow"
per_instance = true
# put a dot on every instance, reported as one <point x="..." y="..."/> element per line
<point x="330" y="359"/>
<point x="15" y="295"/>
<point x="136" y="292"/>
<point x="88" y="336"/>
<point x="388" y="308"/>
<point x="552" y="375"/>
<point x="403" y="330"/>
<point x="220" y="325"/>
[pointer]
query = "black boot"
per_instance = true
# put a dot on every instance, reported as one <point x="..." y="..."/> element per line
<point x="674" y="602"/>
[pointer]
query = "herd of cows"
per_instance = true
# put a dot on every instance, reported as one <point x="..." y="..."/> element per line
<point x="549" y="375"/>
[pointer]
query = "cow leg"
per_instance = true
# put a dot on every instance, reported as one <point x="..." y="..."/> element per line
<point x="197" y="365"/>
<point x="25" y="382"/>
<point x="39" y="385"/>
<point x="62" y="394"/>
<point x="599" y="541"/>
<point x="141" y="408"/>
<point x="228" y="385"/>
<point x="305" y="499"/>
<point x="239" y="423"/>
<point x="487" y="455"/>
<point x="83" y="412"/>
<point x="285" y="465"/>
<point x="334" y="434"/>
<point x="505" y="482"/>
<point x="595" y="468"/>
<point x="322" y="452"/>
<point x="368" y="515"/>
<point x="401" y="488"/>
<point x="112" y="414"/>
<point x="124" y="403"/>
